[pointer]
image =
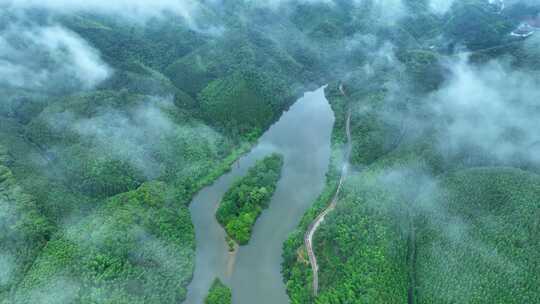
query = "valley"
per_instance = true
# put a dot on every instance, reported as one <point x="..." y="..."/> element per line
<point x="304" y="152"/>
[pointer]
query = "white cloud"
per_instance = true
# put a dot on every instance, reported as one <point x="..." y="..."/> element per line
<point x="7" y="265"/>
<point x="492" y="109"/>
<point x="133" y="9"/>
<point x="441" y="6"/>
<point x="387" y="11"/>
<point x="137" y="135"/>
<point x="39" y="58"/>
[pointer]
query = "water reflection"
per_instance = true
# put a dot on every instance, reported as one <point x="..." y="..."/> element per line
<point x="302" y="135"/>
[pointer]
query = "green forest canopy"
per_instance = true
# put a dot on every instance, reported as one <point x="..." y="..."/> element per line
<point x="244" y="202"/>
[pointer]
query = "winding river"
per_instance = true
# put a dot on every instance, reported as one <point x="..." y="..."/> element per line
<point x="302" y="135"/>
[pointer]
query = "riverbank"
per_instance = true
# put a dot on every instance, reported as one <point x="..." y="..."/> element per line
<point x="296" y="270"/>
<point x="308" y="238"/>
<point x="302" y="136"/>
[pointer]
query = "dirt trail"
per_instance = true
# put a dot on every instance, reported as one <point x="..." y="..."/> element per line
<point x="308" y="237"/>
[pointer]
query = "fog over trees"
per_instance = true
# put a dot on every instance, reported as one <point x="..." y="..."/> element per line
<point x="115" y="114"/>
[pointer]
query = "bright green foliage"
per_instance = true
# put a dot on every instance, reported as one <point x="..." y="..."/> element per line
<point x="241" y="81"/>
<point x="366" y="249"/>
<point x="190" y="74"/>
<point x="246" y="199"/>
<point x="109" y="207"/>
<point x="137" y="248"/>
<point x="219" y="294"/>
<point x="361" y="249"/>
<point x="24" y="229"/>
<point x="242" y="47"/>
<point x="157" y="43"/>
<point x="72" y="175"/>
<point x="142" y="138"/>
<point x="178" y="109"/>
<point x="474" y="240"/>
<point x="296" y="271"/>
<point x="243" y="102"/>
<point x="480" y="243"/>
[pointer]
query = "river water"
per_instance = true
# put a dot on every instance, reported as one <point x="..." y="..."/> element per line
<point x="302" y="135"/>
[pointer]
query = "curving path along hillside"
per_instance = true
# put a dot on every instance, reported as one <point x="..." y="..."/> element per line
<point x="308" y="237"/>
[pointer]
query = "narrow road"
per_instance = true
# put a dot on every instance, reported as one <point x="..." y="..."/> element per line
<point x="308" y="237"/>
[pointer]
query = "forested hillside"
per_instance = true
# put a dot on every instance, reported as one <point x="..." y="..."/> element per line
<point x="109" y="126"/>
<point x="435" y="208"/>
<point x="113" y="115"/>
<point x="485" y="239"/>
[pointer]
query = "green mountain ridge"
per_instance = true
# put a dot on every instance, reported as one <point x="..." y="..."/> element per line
<point x="96" y="180"/>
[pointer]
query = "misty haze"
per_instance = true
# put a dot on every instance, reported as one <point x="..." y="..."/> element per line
<point x="270" y="151"/>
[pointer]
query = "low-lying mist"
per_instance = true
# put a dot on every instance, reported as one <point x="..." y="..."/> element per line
<point x="48" y="58"/>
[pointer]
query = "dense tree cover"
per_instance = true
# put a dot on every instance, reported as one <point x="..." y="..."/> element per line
<point x="111" y="169"/>
<point x="397" y="160"/>
<point x="24" y="228"/>
<point x="477" y="25"/>
<point x="372" y="137"/>
<point x="252" y="74"/>
<point x="363" y="246"/>
<point x="423" y="67"/>
<point x="360" y="246"/>
<point x="136" y="248"/>
<point x="78" y="171"/>
<point x="239" y="50"/>
<point x="193" y="61"/>
<point x="142" y="138"/>
<point x="219" y="293"/>
<point x="482" y="240"/>
<point x="156" y="44"/>
<point x="248" y="197"/>
<point x="243" y="102"/>
<point x="297" y="273"/>
<point x="103" y="159"/>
